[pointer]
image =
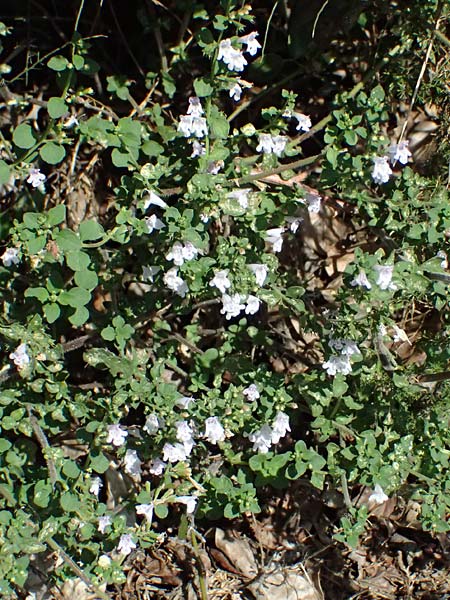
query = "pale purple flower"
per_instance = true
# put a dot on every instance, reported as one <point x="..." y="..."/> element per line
<point x="36" y="178"/>
<point x="20" y="356"/>
<point x="176" y="254"/>
<point x="126" y="544"/>
<point x="195" y="107"/>
<point x="72" y="121"/>
<point x="175" y="452"/>
<point x="153" y="223"/>
<point x="96" y="484"/>
<point x="262" y="439"/>
<point x="146" y="510"/>
<point x="252" y="305"/>
<point x="345" y="346"/>
<point x="157" y="467"/>
<point x="444" y="261"/>
<point x="260" y="271"/>
<point x="193" y="126"/>
<point x="381" y="170"/>
<point x="175" y="283"/>
<point x="251" y="42"/>
<point x="275" y="238"/>
<point x="338" y="364"/>
<point x="185" y="433"/>
<point x="303" y="122"/>
<point x="148" y="273"/>
<point x="221" y="281"/>
<point x="378" y="496"/>
<point x="241" y="195"/>
<point x="189" y="251"/>
<point x="294" y="223"/>
<point x="399" y="153"/>
<point x="234" y="59"/>
<point x="116" y="435"/>
<point x="235" y="92"/>
<point x="265" y="143"/>
<point x="215" y="167"/>
<point x="154" y="199"/>
<point x="189" y="501"/>
<point x="214" y="432"/>
<point x="184" y="402"/>
<point x="232" y="305"/>
<point x="132" y="463"/>
<point x="361" y="280"/>
<point x="251" y="392"/>
<point x="153" y="424"/>
<point x="10" y="257"/>
<point x="280" y="427"/>
<point x="103" y="523"/>
<point x="198" y="149"/>
<point x="384" y="277"/>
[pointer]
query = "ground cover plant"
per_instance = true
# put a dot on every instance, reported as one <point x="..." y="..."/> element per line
<point x="223" y="274"/>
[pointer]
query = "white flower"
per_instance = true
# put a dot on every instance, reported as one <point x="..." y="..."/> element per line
<point x="193" y="126"/>
<point x="313" y="202"/>
<point x="378" y="496"/>
<point x="251" y="392"/>
<point x="103" y="523"/>
<point x="153" y="223"/>
<point x="221" y="281"/>
<point x="303" y="122"/>
<point x="9" y="257"/>
<point x="184" y="402"/>
<point x="198" y="149"/>
<point x="176" y="254"/>
<point x="234" y="59"/>
<point x="361" y="280"/>
<point x="384" y="279"/>
<point x="195" y="107"/>
<point x="275" y="238"/>
<point x="132" y="463"/>
<point x="251" y="42"/>
<point x="294" y="223"/>
<point x="345" y="346"/>
<point x="175" y="452"/>
<point x="116" y="435"/>
<point x="280" y="427"/>
<point x="262" y="439"/>
<point x="35" y="178"/>
<point x="175" y="283"/>
<point x="381" y="169"/>
<point x="265" y="143"/>
<point x="214" y="432"/>
<point x="20" y="356"/>
<point x="253" y="304"/>
<point x="260" y="271"/>
<point x="189" y="251"/>
<point x="126" y="544"/>
<point x="232" y="305"/>
<point x="153" y="424"/>
<point x="157" y="467"/>
<point x="184" y="432"/>
<point x="399" y="153"/>
<point x="146" y="510"/>
<point x="96" y="484"/>
<point x="338" y="364"/>
<point x="214" y="167"/>
<point x="400" y="335"/>
<point x="154" y="199"/>
<point x="235" y="92"/>
<point x="204" y="218"/>
<point x="241" y="195"/>
<point x="444" y="261"/>
<point x="272" y="144"/>
<point x="148" y="273"/>
<point x="190" y="501"/>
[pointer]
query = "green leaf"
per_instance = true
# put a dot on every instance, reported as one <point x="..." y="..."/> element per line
<point x="70" y="502"/>
<point x="51" y="312"/>
<point x="57" y="107"/>
<point x="218" y="124"/>
<point x="99" y="463"/>
<point x="58" y="63"/>
<point x="71" y="469"/>
<point x="23" y="136"/>
<point x="37" y="244"/>
<point x="67" y="240"/>
<point x="90" y="230"/>
<point x="40" y="293"/>
<point x="161" y="511"/>
<point x="5" y="172"/>
<point x="75" y="297"/>
<point x="108" y="333"/>
<point x="152" y="148"/>
<point x="78" y="260"/>
<point x="52" y="153"/>
<point x="56" y="215"/>
<point x="78" y="62"/>
<point x="350" y="137"/>
<point x="129" y="132"/>
<point x="79" y="317"/>
<point x="86" y="279"/>
<point x="168" y="84"/>
<point x="203" y="88"/>
<point x="122" y="159"/>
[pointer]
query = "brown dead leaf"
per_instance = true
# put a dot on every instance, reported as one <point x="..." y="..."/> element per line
<point x="238" y="553"/>
<point x="284" y="584"/>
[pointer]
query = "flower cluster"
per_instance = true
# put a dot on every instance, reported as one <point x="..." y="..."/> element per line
<point x="267" y="435"/>
<point x="340" y="363"/>
<point x="234" y="58"/>
<point x="396" y="153"/>
<point x="272" y="144"/>
<point x="10" y="257"/>
<point x="20" y="356"/>
<point x="193" y="124"/>
<point x="235" y="304"/>
<point x="384" y="278"/>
